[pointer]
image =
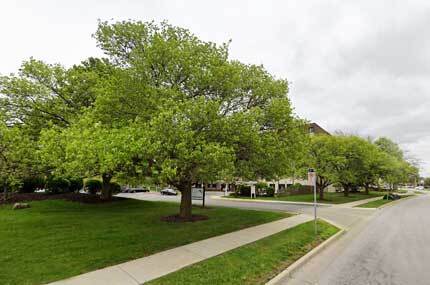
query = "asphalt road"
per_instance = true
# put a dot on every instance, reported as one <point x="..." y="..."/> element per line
<point x="345" y="217"/>
<point x="391" y="246"/>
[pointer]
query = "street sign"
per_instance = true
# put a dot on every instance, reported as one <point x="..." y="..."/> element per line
<point x="311" y="177"/>
<point x="197" y="193"/>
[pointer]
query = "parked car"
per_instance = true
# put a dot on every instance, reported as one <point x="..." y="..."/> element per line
<point x="135" y="190"/>
<point x="168" y="191"/>
<point x="419" y="188"/>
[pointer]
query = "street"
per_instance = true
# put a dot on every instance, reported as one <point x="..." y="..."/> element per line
<point x="392" y="248"/>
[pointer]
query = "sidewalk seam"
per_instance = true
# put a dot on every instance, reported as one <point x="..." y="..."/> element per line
<point x="128" y="274"/>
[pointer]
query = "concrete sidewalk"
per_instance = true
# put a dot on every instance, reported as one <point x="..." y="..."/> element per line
<point x="358" y="202"/>
<point x="151" y="267"/>
<point x="272" y="201"/>
<point x="343" y="205"/>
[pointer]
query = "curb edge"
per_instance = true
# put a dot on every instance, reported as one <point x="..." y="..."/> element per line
<point x="308" y="256"/>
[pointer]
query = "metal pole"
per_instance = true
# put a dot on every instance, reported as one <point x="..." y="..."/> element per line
<point x="315" y="202"/>
<point x="204" y="194"/>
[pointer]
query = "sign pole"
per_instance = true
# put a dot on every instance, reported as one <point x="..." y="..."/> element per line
<point x="315" y="202"/>
<point x="312" y="180"/>
<point x="204" y="194"/>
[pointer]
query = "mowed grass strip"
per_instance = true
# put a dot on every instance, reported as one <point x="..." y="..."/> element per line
<point x="255" y="263"/>
<point x="329" y="197"/>
<point x="56" y="239"/>
<point x="379" y="203"/>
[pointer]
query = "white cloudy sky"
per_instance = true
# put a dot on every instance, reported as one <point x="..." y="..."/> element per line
<point x="357" y="66"/>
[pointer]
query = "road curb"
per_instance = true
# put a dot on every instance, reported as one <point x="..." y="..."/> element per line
<point x="305" y="258"/>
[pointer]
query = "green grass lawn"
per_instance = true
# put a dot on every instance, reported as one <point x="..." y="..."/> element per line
<point x="255" y="263"/>
<point x="329" y="197"/>
<point x="379" y="203"/>
<point x="56" y="239"/>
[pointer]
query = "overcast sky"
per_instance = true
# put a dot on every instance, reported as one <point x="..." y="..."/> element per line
<point x="362" y="67"/>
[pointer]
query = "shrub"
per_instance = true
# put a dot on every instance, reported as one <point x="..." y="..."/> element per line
<point x="93" y="186"/>
<point x="244" y="190"/>
<point x="57" y="185"/>
<point x="116" y="188"/>
<point x="270" y="192"/>
<point x="261" y="185"/>
<point x="76" y="184"/>
<point x="30" y="184"/>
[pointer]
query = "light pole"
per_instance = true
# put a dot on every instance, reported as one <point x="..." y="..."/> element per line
<point x="312" y="180"/>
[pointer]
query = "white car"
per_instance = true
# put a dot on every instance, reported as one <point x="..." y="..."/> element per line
<point x="168" y="191"/>
<point x="419" y="188"/>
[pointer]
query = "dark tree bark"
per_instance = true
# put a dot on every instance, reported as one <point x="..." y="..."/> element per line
<point x="106" y="186"/>
<point x="366" y="187"/>
<point x="186" y="203"/>
<point x="346" y="188"/>
<point x="321" y="185"/>
<point x="4" y="191"/>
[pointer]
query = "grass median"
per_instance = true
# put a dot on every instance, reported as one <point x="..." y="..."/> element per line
<point x="329" y="197"/>
<point x="255" y="263"/>
<point x="379" y="203"/>
<point x="56" y="239"/>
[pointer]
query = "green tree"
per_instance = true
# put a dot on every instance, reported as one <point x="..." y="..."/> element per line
<point x="374" y="163"/>
<point x="88" y="149"/>
<point x="205" y="117"/>
<point x="324" y="157"/>
<point x="427" y="182"/>
<point x="390" y="147"/>
<point x="396" y="168"/>
<point x="16" y="156"/>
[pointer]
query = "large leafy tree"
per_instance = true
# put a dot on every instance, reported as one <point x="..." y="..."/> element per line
<point x="325" y="157"/>
<point x="204" y="116"/>
<point x="396" y="169"/>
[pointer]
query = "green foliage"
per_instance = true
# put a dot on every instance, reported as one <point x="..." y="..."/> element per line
<point x="353" y="162"/>
<point x="17" y="155"/>
<point x="56" y="185"/>
<point x="31" y="183"/>
<point x="389" y="147"/>
<point x="76" y="184"/>
<point x="427" y="182"/>
<point x="270" y="192"/>
<point x="243" y="190"/>
<point x="42" y="94"/>
<point x="116" y="188"/>
<point x="93" y="186"/>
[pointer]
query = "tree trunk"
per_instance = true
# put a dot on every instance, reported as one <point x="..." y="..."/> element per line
<point x="106" y="187"/>
<point x="346" y="190"/>
<point x="366" y="187"/>
<point x="320" y="187"/>
<point x="321" y="192"/>
<point x="186" y="204"/>
<point x="4" y="191"/>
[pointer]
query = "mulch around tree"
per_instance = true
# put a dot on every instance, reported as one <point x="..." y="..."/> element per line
<point x="74" y="197"/>
<point x="178" y="219"/>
